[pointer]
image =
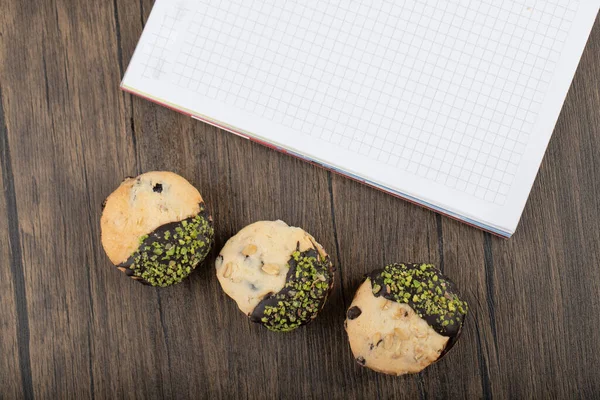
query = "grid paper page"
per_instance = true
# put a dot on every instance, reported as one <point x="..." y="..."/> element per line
<point x="449" y="91"/>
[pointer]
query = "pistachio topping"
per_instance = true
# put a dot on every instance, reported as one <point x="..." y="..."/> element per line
<point x="308" y="282"/>
<point x="429" y="293"/>
<point x="171" y="252"/>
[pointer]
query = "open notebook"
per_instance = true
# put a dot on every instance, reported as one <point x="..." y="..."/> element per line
<point x="446" y="103"/>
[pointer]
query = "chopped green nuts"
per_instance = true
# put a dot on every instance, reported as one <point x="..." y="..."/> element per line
<point x="170" y="253"/>
<point x="422" y="286"/>
<point x="307" y="286"/>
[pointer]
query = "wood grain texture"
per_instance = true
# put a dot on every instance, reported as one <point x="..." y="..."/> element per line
<point x="71" y="326"/>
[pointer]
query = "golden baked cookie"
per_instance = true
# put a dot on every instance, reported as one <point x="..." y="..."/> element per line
<point x="403" y="318"/>
<point x="156" y="228"/>
<point x="278" y="275"/>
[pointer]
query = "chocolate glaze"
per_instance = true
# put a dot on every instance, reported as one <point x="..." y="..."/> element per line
<point x="448" y="287"/>
<point x="158" y="236"/>
<point x="272" y="299"/>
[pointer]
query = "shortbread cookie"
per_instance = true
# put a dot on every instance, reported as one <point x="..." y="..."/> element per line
<point x="403" y="318"/>
<point x="155" y="228"/>
<point x="278" y="275"/>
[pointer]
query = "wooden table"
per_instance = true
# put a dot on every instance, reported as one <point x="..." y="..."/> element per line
<point x="73" y="326"/>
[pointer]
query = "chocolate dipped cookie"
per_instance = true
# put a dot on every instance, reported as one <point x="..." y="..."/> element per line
<point x="278" y="275"/>
<point x="156" y="228"/>
<point x="403" y="318"/>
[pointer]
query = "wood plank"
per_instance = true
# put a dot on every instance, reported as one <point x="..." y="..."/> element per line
<point x="15" y="380"/>
<point x="62" y="131"/>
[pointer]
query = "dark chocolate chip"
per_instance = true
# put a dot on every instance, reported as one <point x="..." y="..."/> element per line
<point x="361" y="360"/>
<point x="354" y="312"/>
<point x="373" y="345"/>
<point x="103" y="204"/>
<point x="157" y="188"/>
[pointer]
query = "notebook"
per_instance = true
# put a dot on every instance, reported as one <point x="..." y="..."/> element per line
<point x="447" y="103"/>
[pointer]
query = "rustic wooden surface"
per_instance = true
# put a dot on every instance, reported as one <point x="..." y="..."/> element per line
<point x="72" y="326"/>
